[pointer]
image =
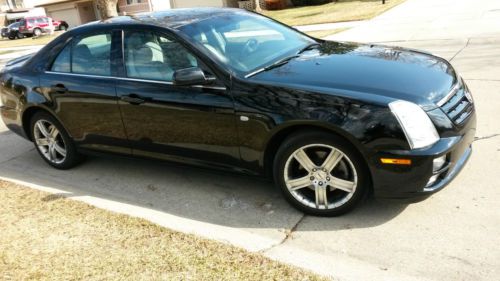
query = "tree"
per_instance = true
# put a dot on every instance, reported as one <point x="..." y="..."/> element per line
<point x="107" y="8"/>
<point x="258" y="8"/>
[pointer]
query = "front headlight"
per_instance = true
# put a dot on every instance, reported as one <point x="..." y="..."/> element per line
<point x="416" y="124"/>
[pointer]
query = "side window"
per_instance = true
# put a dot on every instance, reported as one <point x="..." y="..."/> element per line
<point x="89" y="55"/>
<point x="92" y="55"/>
<point x="154" y="57"/>
<point x="63" y="61"/>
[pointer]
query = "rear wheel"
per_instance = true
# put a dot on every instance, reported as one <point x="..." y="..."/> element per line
<point x="52" y="142"/>
<point x="320" y="173"/>
<point x="19" y="35"/>
<point x="63" y="27"/>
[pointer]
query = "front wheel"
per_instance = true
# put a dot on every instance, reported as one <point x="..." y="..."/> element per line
<point x="52" y="142"/>
<point x="321" y="173"/>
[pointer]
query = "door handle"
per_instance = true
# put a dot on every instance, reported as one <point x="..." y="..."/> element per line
<point x="133" y="99"/>
<point x="59" y="88"/>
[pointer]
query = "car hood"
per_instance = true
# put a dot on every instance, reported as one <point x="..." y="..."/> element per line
<point x="366" y="70"/>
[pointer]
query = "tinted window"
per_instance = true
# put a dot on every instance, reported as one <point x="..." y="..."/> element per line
<point x="154" y="57"/>
<point x="89" y="55"/>
<point x="63" y="60"/>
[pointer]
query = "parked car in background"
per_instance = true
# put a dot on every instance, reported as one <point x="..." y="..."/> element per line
<point x="35" y="26"/>
<point x="60" y="25"/>
<point x="12" y="31"/>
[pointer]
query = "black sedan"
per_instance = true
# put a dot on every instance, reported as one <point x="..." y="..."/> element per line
<point x="12" y="31"/>
<point x="330" y="122"/>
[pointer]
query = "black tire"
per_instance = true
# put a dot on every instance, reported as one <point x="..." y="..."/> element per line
<point x="12" y="37"/>
<point x="72" y="157"/>
<point x="19" y="35"/>
<point x="305" y="139"/>
<point x="37" y="32"/>
<point x="63" y="27"/>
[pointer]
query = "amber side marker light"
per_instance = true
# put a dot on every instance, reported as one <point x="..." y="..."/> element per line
<point x="395" y="161"/>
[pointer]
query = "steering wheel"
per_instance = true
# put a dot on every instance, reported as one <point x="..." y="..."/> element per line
<point x="250" y="46"/>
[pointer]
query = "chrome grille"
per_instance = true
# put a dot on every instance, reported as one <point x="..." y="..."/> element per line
<point x="457" y="105"/>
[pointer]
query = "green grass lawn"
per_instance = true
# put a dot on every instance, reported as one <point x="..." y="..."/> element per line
<point x="342" y="10"/>
<point x="28" y="41"/>
<point x="48" y="237"/>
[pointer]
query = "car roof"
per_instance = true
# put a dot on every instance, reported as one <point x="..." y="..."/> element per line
<point x="172" y="18"/>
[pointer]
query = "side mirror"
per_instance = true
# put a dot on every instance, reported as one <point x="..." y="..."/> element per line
<point x="190" y="76"/>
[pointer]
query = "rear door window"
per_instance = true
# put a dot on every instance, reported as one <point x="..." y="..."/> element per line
<point x="87" y="55"/>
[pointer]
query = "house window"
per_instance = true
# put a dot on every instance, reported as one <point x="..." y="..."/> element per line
<point x="132" y="2"/>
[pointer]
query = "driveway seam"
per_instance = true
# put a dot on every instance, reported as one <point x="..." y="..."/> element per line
<point x="459" y="51"/>
<point x="486" y="137"/>
<point x="17" y="156"/>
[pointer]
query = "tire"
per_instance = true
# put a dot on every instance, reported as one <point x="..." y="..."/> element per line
<point x="19" y="35"/>
<point x="37" y="32"/>
<point x="324" y="188"/>
<point x="12" y="37"/>
<point x="63" y="27"/>
<point x="50" y="144"/>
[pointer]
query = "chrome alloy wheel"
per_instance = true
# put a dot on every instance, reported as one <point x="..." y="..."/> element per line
<point x="49" y="141"/>
<point x="320" y="176"/>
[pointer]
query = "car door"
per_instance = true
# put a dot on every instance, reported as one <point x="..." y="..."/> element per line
<point x="82" y="87"/>
<point x="194" y="124"/>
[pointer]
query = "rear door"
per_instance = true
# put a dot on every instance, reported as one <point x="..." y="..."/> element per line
<point x="193" y="123"/>
<point x="82" y="86"/>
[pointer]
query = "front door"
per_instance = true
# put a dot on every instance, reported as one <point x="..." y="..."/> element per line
<point x="83" y="92"/>
<point x="194" y="124"/>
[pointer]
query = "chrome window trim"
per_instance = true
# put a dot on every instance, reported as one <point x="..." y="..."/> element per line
<point x="134" y="79"/>
<point x="449" y="95"/>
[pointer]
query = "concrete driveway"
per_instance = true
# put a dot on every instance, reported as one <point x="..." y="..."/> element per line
<point x="454" y="235"/>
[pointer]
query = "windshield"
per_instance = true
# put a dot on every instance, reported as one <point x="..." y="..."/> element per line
<point x="245" y="42"/>
<point x="14" y="25"/>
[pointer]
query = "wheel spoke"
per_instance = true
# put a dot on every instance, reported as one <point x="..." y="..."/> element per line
<point x="42" y="129"/>
<point x="42" y="142"/>
<point x="299" y="183"/>
<point x="60" y="150"/>
<point x="52" y="153"/>
<point x="304" y="160"/>
<point x="332" y="160"/>
<point x="321" y="197"/>
<point x="53" y="132"/>
<point x="345" y="185"/>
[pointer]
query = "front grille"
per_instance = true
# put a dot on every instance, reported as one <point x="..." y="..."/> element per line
<point x="458" y="106"/>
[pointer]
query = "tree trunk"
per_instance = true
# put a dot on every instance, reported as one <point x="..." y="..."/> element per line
<point x="258" y="8"/>
<point x="107" y="8"/>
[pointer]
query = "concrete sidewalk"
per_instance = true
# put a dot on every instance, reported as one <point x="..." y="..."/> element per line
<point x="430" y="19"/>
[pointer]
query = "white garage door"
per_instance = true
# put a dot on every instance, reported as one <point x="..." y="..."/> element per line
<point x="68" y="15"/>
<point x="198" y="3"/>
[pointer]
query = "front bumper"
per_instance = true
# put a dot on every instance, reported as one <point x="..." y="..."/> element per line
<point x="411" y="181"/>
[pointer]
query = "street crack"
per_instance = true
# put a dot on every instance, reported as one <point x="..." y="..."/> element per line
<point x="288" y="234"/>
<point x="459" y="51"/>
<point x="486" y="137"/>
